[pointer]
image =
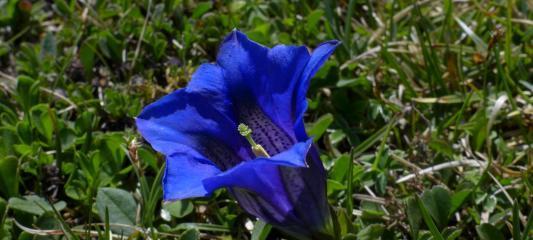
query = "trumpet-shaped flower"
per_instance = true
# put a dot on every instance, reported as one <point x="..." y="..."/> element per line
<point x="239" y="125"/>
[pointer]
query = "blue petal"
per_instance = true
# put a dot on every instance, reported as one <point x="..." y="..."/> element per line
<point x="261" y="176"/>
<point x="184" y="172"/>
<point x="257" y="75"/>
<point x="293" y="157"/>
<point x="271" y="82"/>
<point x="306" y="188"/>
<point x="318" y="57"/>
<point x="197" y="120"/>
<point x="208" y="80"/>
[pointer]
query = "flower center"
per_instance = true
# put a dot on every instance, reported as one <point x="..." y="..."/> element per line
<point x="265" y="132"/>
<point x="257" y="149"/>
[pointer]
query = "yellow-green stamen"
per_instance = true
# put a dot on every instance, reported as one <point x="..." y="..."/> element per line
<point x="246" y="132"/>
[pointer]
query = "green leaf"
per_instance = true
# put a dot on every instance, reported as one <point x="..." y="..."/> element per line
<point x="191" y="234"/>
<point x="121" y="206"/>
<point x="148" y="157"/>
<point x="201" y="9"/>
<point x="452" y="233"/>
<point x="9" y="184"/>
<point x="370" y="232"/>
<point x="8" y="115"/>
<point x="35" y="205"/>
<point x="344" y="222"/>
<point x="6" y="229"/>
<point x="47" y="221"/>
<point x="312" y="19"/>
<point x="3" y="227"/>
<point x="110" y="46"/>
<point x="349" y="236"/>
<point x="336" y="136"/>
<point x="441" y="146"/>
<point x="8" y="137"/>
<point x="7" y="8"/>
<point x="458" y="199"/>
<point x="42" y="121"/>
<point x="85" y="122"/>
<point x="414" y="217"/>
<point x="261" y="230"/>
<point x="23" y="149"/>
<point x="339" y="170"/>
<point x="63" y="7"/>
<point x="334" y="186"/>
<point x="159" y="46"/>
<point x="235" y="6"/>
<point x="4" y="49"/>
<point x="87" y="56"/>
<point x="438" y="202"/>
<point x="48" y="46"/>
<point x="486" y="231"/>
<point x="67" y="137"/>
<point x="490" y="204"/>
<point x="27" y="92"/>
<point x="3" y="205"/>
<point x="179" y="209"/>
<point x="427" y="219"/>
<point x="24" y="132"/>
<point x="319" y="127"/>
<point x="111" y="153"/>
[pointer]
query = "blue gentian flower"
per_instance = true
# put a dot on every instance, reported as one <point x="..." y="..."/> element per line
<point x="239" y="125"/>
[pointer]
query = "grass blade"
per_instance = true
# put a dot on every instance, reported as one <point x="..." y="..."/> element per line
<point x="516" y="222"/>
<point x="429" y="222"/>
<point x="529" y="226"/>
